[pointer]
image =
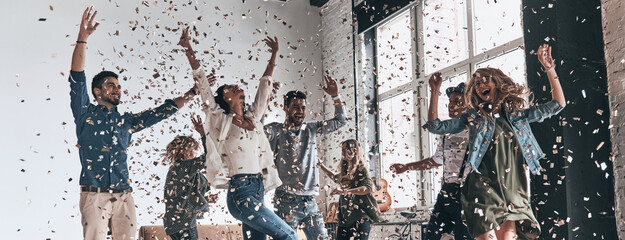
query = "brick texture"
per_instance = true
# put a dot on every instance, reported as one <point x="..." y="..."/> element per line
<point x="613" y="14"/>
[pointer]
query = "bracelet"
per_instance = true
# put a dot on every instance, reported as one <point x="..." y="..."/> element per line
<point x="337" y="97"/>
<point x="435" y="91"/>
<point x="77" y="42"/>
<point x="273" y="64"/>
<point x="547" y="69"/>
<point x="193" y="91"/>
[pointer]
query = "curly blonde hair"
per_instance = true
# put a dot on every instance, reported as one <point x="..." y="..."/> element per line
<point x="510" y="95"/>
<point x="181" y="148"/>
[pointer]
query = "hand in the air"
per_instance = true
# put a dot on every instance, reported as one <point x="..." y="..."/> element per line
<point x="86" y="24"/>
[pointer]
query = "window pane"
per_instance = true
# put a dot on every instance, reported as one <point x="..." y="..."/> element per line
<point x="398" y="146"/>
<point x="394" y="53"/>
<point x="511" y="63"/>
<point x="496" y="23"/>
<point x="445" y="33"/>
<point x="443" y="113"/>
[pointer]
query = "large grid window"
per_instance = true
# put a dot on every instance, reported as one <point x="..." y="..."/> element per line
<point x="453" y="37"/>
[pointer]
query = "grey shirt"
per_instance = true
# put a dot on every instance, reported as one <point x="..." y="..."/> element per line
<point x="450" y="153"/>
<point x="295" y="152"/>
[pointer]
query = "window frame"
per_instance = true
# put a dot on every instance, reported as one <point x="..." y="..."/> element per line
<point x="423" y="142"/>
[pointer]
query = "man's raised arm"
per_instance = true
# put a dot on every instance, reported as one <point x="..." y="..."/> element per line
<point x="86" y="29"/>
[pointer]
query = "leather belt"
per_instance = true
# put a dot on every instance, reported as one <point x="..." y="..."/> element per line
<point x="102" y="190"/>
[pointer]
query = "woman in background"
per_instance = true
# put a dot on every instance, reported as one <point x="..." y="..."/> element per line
<point x="357" y="206"/>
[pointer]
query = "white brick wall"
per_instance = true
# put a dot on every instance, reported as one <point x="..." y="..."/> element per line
<point x="613" y="12"/>
<point x="337" y="58"/>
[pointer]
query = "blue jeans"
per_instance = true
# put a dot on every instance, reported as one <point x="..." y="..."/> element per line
<point x="246" y="203"/>
<point x="298" y="210"/>
<point x="447" y="215"/>
<point x="186" y="234"/>
<point x="359" y="231"/>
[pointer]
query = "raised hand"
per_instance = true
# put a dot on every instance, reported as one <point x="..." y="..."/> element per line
<point x="331" y="87"/>
<point x="86" y="24"/>
<point x="272" y="43"/>
<point x="435" y="81"/>
<point x="198" y="125"/>
<point x="185" y="40"/>
<point x="544" y="57"/>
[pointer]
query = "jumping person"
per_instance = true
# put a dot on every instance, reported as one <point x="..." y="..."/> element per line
<point x="495" y="197"/>
<point x="357" y="207"/>
<point x="450" y="152"/>
<point x="236" y="134"/>
<point x="103" y="138"/>
<point x="185" y="185"/>
<point x="295" y="154"/>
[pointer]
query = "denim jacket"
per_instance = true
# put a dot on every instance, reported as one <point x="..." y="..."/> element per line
<point x="481" y="129"/>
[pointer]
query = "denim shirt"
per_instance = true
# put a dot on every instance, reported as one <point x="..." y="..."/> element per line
<point x="104" y="135"/>
<point x="481" y="129"/>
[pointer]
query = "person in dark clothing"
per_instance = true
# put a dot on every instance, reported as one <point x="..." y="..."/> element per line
<point x="185" y="185"/>
<point x="357" y="206"/>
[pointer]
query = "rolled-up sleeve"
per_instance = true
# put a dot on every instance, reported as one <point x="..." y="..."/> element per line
<point x="150" y="117"/>
<point x="454" y="125"/>
<point x="540" y="112"/>
<point x="79" y="98"/>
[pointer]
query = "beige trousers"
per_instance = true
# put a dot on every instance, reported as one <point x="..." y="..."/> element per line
<point x="103" y="210"/>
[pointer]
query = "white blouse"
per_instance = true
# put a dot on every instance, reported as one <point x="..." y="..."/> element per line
<point x="235" y="149"/>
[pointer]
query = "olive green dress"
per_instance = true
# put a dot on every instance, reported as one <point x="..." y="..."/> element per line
<point x="355" y="208"/>
<point x="500" y="191"/>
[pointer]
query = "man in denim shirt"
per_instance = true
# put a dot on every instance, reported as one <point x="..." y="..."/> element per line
<point x="295" y="155"/>
<point x="103" y="138"/>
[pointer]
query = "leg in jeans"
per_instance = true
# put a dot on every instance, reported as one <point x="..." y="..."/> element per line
<point x="245" y="203"/>
<point x="313" y="224"/>
<point x="461" y="232"/>
<point x="289" y="208"/>
<point x="363" y="229"/>
<point x="123" y="217"/>
<point x="343" y="233"/>
<point x="359" y="231"/>
<point x="94" y="211"/>
<point x="300" y="211"/>
<point x="438" y="223"/>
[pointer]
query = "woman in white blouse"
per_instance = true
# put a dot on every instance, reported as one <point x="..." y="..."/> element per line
<point x="238" y="152"/>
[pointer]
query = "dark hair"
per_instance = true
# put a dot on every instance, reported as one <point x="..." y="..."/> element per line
<point x="219" y="99"/>
<point x="293" y="95"/>
<point x="98" y="80"/>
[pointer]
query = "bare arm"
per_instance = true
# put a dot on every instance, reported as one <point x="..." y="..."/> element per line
<point x="424" y="164"/>
<point x="544" y="57"/>
<point x="326" y="170"/>
<point x="273" y="44"/>
<point x="86" y="29"/>
<point x="195" y="64"/>
<point x="186" y="44"/>
<point x="362" y="190"/>
<point x="435" y="92"/>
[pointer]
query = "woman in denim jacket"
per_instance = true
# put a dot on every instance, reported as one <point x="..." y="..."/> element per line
<point x="495" y="197"/>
